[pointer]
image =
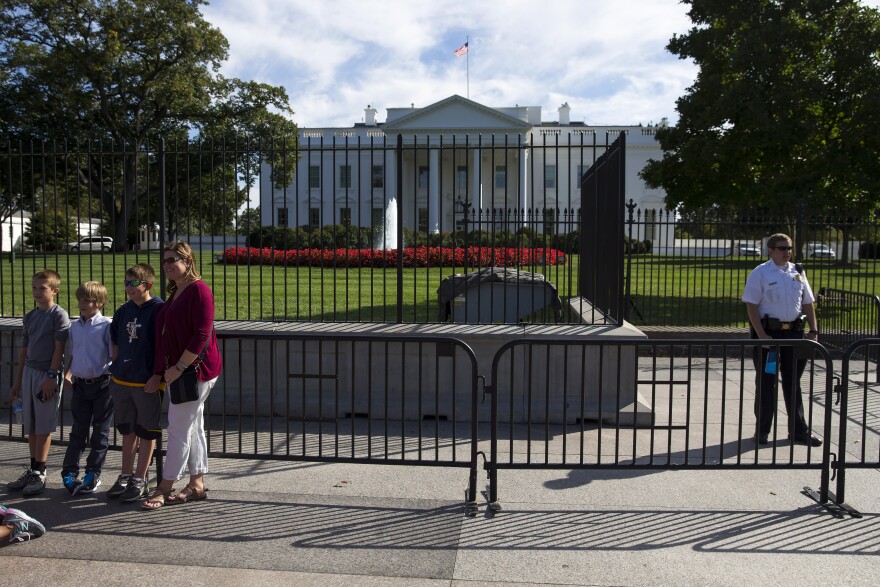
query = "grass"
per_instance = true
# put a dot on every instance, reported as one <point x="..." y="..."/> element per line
<point x="670" y="291"/>
<point x="258" y="293"/>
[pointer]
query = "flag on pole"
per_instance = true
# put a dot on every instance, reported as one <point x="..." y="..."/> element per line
<point x="461" y="50"/>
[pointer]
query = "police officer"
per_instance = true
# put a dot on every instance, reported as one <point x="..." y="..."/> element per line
<point x="780" y="306"/>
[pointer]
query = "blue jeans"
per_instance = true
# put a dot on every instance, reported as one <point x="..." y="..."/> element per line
<point x="90" y="405"/>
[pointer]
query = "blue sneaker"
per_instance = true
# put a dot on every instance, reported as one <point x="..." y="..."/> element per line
<point x="71" y="483"/>
<point x="90" y="482"/>
<point x="24" y="527"/>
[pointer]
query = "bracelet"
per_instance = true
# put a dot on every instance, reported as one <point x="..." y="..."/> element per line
<point x="181" y="366"/>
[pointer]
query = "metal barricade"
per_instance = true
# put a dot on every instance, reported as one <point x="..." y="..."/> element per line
<point x="339" y="398"/>
<point x="859" y="407"/>
<point x="327" y="398"/>
<point x="848" y="317"/>
<point x="638" y="404"/>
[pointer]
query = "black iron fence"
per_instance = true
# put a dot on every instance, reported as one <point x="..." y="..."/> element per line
<point x="691" y="270"/>
<point x="323" y="245"/>
<point x="611" y="404"/>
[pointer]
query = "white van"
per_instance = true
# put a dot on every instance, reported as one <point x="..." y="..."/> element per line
<point x="92" y="243"/>
<point x="818" y="251"/>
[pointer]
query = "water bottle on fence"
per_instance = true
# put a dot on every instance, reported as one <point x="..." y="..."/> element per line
<point x="16" y="410"/>
<point x="770" y="367"/>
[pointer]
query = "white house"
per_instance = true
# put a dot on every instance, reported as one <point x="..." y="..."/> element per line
<point x="12" y="230"/>
<point x="455" y="154"/>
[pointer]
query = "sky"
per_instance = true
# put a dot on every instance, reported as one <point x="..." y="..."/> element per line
<point x="606" y="59"/>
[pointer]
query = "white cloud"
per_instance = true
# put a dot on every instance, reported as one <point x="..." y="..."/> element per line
<point x="606" y="59"/>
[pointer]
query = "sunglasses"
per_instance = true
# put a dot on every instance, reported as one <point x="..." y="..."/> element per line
<point x="171" y="260"/>
<point x="135" y="282"/>
<point x="782" y="248"/>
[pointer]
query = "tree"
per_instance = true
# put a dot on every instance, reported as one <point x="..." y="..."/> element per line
<point x="784" y="110"/>
<point x="248" y="220"/>
<point x="50" y="230"/>
<point x="125" y="73"/>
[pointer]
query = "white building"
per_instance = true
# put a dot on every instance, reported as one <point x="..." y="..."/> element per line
<point x="454" y="154"/>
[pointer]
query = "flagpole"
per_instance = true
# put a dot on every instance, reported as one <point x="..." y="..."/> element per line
<point x="468" y="66"/>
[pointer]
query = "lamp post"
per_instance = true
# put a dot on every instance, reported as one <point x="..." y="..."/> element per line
<point x="462" y="206"/>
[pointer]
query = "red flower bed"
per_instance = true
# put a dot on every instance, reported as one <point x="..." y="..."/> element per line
<point x="412" y="257"/>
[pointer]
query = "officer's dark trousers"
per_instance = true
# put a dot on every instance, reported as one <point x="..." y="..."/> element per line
<point x="790" y="370"/>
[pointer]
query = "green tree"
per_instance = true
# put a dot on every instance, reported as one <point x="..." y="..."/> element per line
<point x="784" y="110"/>
<point x="248" y="220"/>
<point x="50" y="230"/>
<point x="121" y="75"/>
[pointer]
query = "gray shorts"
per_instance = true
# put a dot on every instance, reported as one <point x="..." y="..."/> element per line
<point x="38" y="417"/>
<point x="135" y="411"/>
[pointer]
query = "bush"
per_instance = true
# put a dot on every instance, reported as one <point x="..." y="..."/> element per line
<point x="636" y="247"/>
<point x="412" y="257"/>
<point x="869" y="250"/>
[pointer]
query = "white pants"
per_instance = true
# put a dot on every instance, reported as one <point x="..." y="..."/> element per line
<point x="187" y="445"/>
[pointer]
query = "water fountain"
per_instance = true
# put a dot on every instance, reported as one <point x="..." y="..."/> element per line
<point x="387" y="239"/>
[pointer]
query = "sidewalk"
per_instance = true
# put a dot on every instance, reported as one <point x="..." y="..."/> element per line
<point x="276" y="523"/>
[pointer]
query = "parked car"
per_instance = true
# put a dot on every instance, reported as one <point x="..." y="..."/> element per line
<point x="747" y="250"/>
<point x="819" y="251"/>
<point x="92" y="243"/>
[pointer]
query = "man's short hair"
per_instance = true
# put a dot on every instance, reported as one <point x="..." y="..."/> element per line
<point x="92" y="290"/>
<point x="777" y="238"/>
<point x="141" y="272"/>
<point x="51" y="277"/>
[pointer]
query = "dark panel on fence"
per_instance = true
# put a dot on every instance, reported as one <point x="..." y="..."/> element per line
<point x="602" y="230"/>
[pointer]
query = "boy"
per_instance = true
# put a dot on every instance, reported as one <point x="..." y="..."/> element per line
<point x="88" y="376"/>
<point x="137" y="414"/>
<point x="44" y="334"/>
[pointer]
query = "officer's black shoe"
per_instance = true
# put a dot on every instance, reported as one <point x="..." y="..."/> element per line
<point x="763" y="439"/>
<point x="805" y="438"/>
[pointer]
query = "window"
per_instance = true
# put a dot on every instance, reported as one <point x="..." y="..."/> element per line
<point x="500" y="177"/>
<point x="345" y="176"/>
<point x="345" y="216"/>
<point x="282" y="217"/>
<point x="378" y="217"/>
<point x="314" y="177"/>
<point x="314" y="217"/>
<point x="461" y="177"/>
<point x="550" y="177"/>
<point x="423" y="219"/>
<point x="378" y="176"/>
<point x="423" y="177"/>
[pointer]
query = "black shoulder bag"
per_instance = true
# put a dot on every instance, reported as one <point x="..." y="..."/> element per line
<point x="186" y="387"/>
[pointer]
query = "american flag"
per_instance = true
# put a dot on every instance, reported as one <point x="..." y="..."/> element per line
<point x="461" y="50"/>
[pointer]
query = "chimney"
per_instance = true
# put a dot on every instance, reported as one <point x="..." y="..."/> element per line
<point x="564" y="113"/>
<point x="369" y="116"/>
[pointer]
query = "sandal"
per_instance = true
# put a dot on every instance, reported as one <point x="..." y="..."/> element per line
<point x="158" y="499"/>
<point x="186" y="495"/>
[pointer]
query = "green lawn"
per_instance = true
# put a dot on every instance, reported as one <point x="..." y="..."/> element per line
<point x="672" y="291"/>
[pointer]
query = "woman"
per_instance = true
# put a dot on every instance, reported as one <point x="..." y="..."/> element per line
<point x="185" y="338"/>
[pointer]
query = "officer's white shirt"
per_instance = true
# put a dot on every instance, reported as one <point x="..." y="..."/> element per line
<point x="779" y="292"/>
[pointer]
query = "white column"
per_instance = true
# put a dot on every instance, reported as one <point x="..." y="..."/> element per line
<point x="392" y="190"/>
<point x="524" y="183"/>
<point x="476" y="186"/>
<point x="434" y="191"/>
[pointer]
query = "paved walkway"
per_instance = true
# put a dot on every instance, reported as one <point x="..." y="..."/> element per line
<point x="276" y="523"/>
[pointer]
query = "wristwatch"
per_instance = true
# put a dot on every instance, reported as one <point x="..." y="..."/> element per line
<point x="181" y="366"/>
<point x="52" y="374"/>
